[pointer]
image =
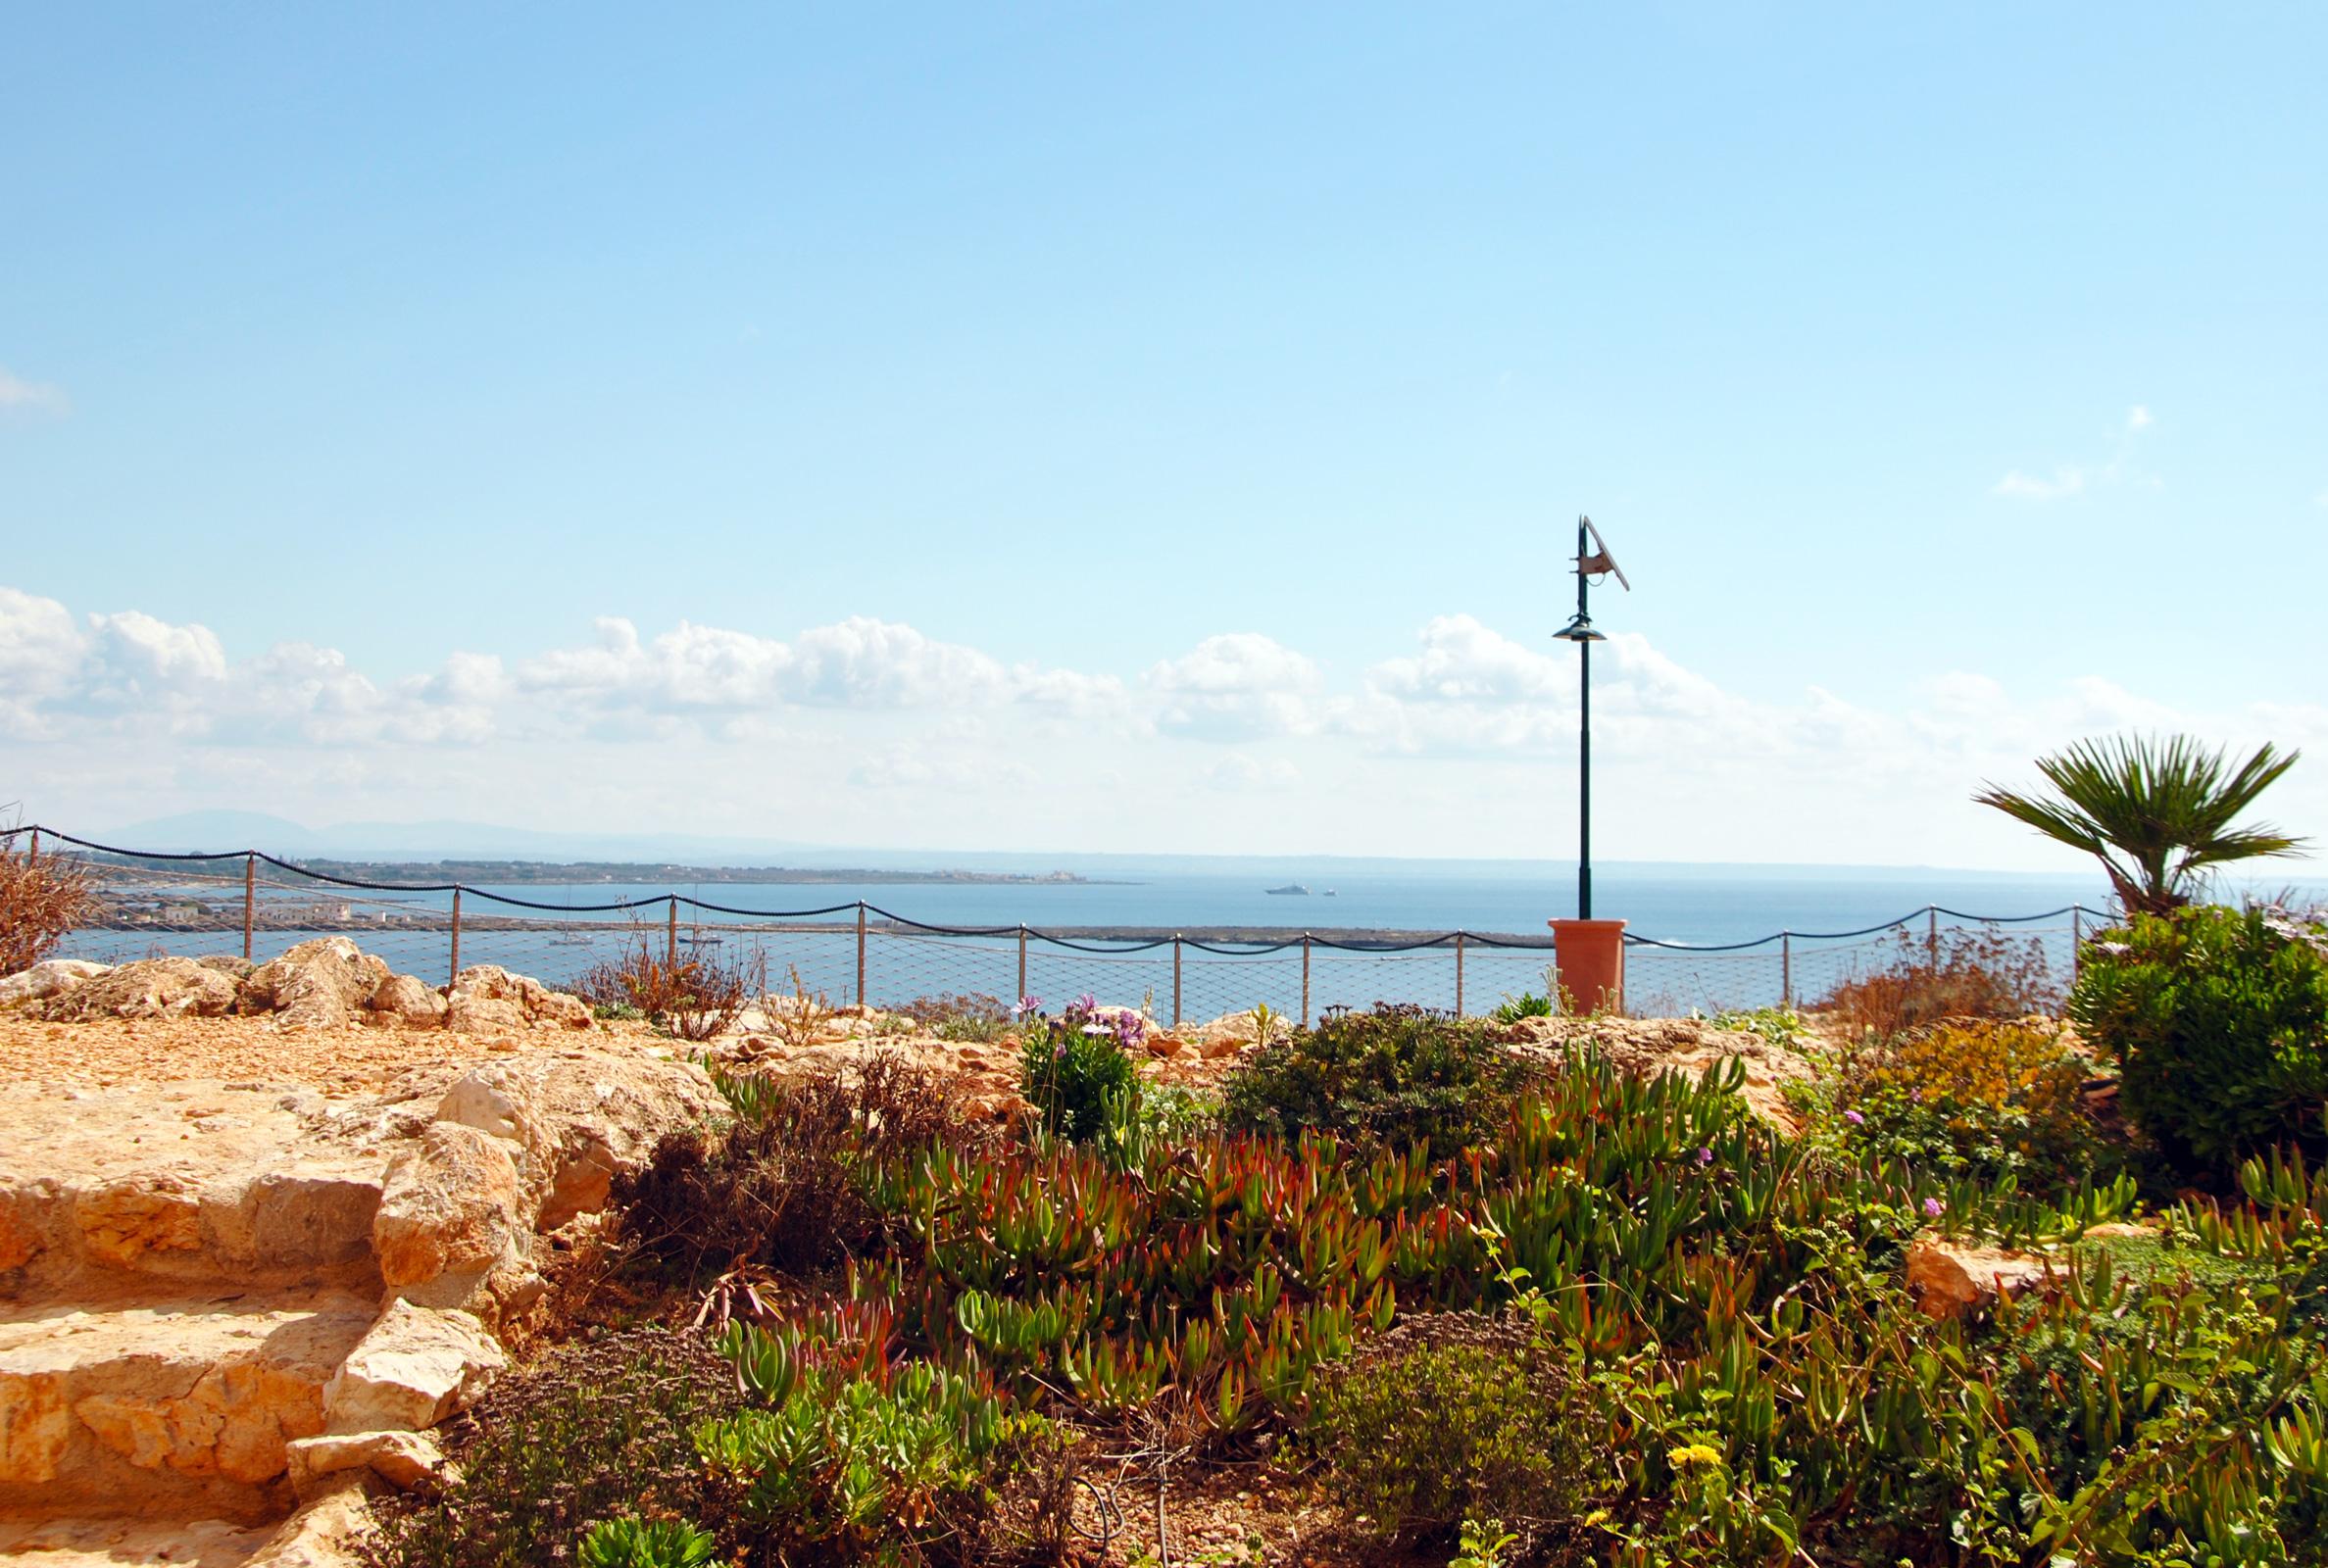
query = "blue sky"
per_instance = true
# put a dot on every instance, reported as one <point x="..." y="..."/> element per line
<point x="1154" y="428"/>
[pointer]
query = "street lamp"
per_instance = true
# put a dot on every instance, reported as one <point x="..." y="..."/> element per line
<point x="1593" y="563"/>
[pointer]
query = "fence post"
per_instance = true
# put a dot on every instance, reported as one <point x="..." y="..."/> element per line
<point x="1176" y="979"/>
<point x="670" y="933"/>
<point x="34" y="853"/>
<point x="1932" y="935"/>
<point x="250" y="898"/>
<point x="1020" y="994"/>
<point x="1305" y="979"/>
<point x="1786" y="968"/>
<point x="1458" y="974"/>
<point x="861" y="952"/>
<point x="455" y="975"/>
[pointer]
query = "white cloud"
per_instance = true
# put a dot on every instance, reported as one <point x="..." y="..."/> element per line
<point x="2074" y="479"/>
<point x="1239" y="773"/>
<point x="871" y="732"/>
<point x="38" y="397"/>
<point x="1236" y="685"/>
<point x="2067" y="481"/>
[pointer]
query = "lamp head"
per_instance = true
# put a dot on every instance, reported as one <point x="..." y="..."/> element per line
<point x="1578" y="630"/>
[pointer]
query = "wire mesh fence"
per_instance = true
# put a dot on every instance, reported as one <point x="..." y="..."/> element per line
<point x="255" y="906"/>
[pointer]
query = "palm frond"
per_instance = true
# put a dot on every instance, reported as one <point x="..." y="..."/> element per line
<point x="2152" y="811"/>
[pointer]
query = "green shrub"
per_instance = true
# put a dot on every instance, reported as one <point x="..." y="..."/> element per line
<point x="2217" y="1020"/>
<point x="1071" y="1067"/>
<point x="628" y="1543"/>
<point x="1980" y="1100"/>
<point x="594" y="1432"/>
<point x="1527" y="1005"/>
<point x="1455" y="1417"/>
<point x="1394" y="1075"/>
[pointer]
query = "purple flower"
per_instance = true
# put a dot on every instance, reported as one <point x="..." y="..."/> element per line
<point x="1130" y="1029"/>
<point x="1086" y="1002"/>
<point x="1705" y="1156"/>
<point x="1854" y="1118"/>
<point x="1934" y="1207"/>
<point x="1097" y="1029"/>
<point x="1061" y="1053"/>
<point x="1028" y="1006"/>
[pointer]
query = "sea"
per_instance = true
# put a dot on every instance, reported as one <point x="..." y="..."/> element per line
<point x="1709" y="936"/>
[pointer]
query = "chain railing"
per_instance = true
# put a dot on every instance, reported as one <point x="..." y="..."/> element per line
<point x="257" y="904"/>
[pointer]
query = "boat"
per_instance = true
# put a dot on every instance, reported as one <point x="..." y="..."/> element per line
<point x="701" y="941"/>
<point x="1294" y="888"/>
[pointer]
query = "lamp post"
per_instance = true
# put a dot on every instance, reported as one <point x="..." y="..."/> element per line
<point x="1590" y="563"/>
<point x="1589" y="952"/>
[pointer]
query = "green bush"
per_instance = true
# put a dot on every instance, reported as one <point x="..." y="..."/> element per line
<point x="1071" y="1067"/>
<point x="595" y="1432"/>
<point x="2217" y="1020"/>
<point x="1458" y="1416"/>
<point x="1394" y="1075"/>
<point x="1980" y="1100"/>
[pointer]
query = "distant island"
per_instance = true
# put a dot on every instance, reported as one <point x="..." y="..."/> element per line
<point x="549" y="873"/>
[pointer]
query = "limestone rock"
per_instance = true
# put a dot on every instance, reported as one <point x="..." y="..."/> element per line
<point x="328" y="1532"/>
<point x="414" y="1368"/>
<point x="316" y="985"/>
<point x="488" y="1000"/>
<point x="150" y="988"/>
<point x="403" y="1459"/>
<point x="50" y="978"/>
<point x="1950" y="1278"/>
<point x="455" y="1219"/>
<point x="232" y="965"/>
<point x="408" y="998"/>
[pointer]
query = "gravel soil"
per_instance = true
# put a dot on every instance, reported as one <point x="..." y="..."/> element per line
<point x="354" y="1061"/>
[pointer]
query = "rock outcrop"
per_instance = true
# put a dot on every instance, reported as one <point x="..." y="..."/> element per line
<point x="487" y="998"/>
<point x="221" y="1300"/>
<point x="316" y="985"/>
<point x="150" y="988"/>
<point x="52" y="977"/>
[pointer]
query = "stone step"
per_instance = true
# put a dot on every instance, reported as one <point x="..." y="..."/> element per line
<point x="231" y="1186"/>
<point x="129" y="1543"/>
<point x="174" y="1407"/>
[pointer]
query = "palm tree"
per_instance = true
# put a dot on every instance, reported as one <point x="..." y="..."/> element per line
<point x="2152" y="811"/>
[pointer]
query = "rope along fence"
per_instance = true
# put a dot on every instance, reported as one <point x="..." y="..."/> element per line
<point x="256" y="904"/>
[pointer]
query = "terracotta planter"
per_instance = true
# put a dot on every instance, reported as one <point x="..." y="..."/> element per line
<point x="1590" y="956"/>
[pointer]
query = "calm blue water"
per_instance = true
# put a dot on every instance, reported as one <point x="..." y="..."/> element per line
<point x="1695" y="908"/>
<point x="1699" y="906"/>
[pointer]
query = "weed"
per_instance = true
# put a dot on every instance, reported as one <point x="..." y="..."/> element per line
<point x="1962" y="972"/>
<point x="41" y="898"/>
<point x="783" y="1188"/>
<point x="692" y="998"/>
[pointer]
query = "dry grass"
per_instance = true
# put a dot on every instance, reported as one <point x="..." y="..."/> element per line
<point x="41" y="898"/>
<point x="1968" y="972"/>
<point x="695" y="998"/>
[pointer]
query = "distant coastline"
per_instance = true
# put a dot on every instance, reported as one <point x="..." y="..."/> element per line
<point x="544" y="873"/>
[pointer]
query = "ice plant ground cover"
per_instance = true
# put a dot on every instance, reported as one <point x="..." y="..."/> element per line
<point x="1710" y="1312"/>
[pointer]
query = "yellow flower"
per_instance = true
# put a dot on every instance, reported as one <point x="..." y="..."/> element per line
<point x="1695" y="1453"/>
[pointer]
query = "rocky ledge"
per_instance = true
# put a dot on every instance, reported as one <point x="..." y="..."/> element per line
<point x="231" y="1308"/>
